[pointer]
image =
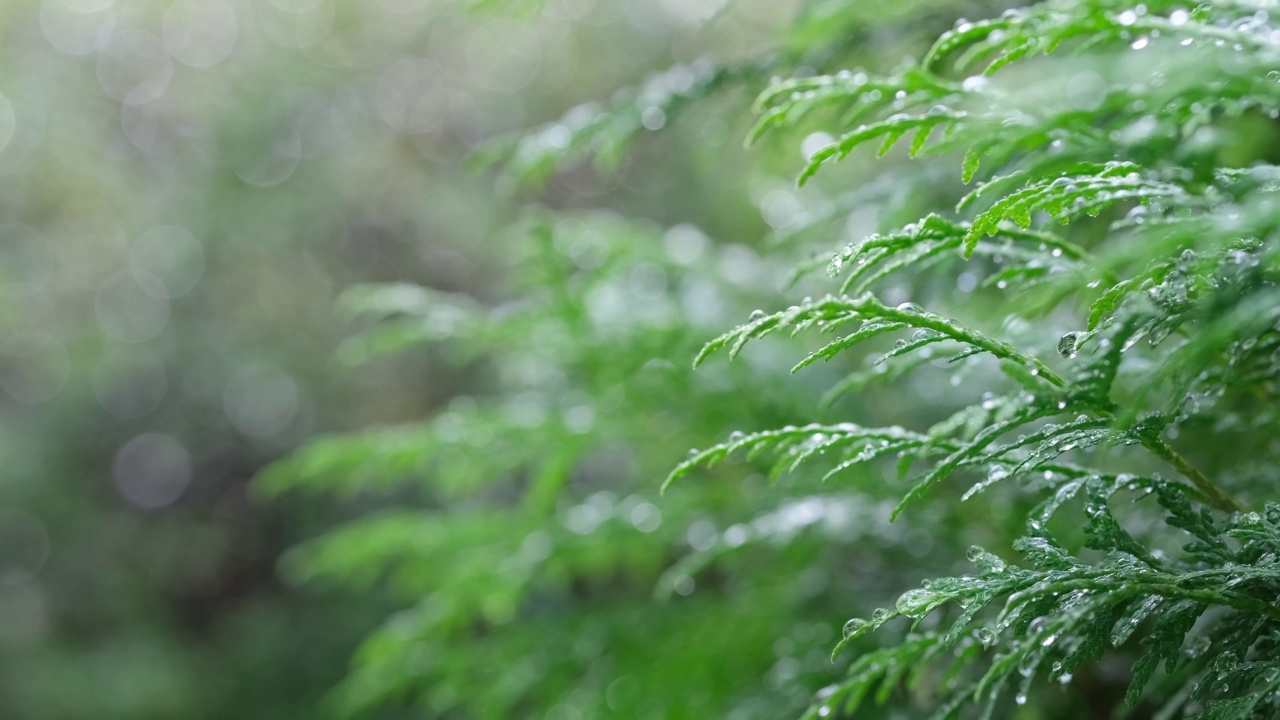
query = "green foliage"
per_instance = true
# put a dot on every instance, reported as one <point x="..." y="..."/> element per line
<point x="536" y="535"/>
<point x="1205" y="299"/>
<point x="604" y="133"/>
<point x="1106" y="304"/>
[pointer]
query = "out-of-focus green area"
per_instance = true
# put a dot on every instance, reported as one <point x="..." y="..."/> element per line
<point x="187" y="186"/>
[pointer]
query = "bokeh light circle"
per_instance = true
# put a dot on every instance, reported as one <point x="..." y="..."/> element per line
<point x="134" y="67"/>
<point x="171" y="255"/>
<point x="132" y="307"/>
<point x="152" y="470"/>
<point x="261" y="400"/>
<point x="200" y="33"/>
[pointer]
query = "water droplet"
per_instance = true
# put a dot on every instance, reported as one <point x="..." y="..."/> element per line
<point x="855" y="627"/>
<point x="1068" y="345"/>
<point x="986" y="637"/>
<point x="910" y="307"/>
<point x="757" y="314"/>
<point x="916" y="603"/>
<point x="989" y="564"/>
<point x="974" y="553"/>
<point x="736" y="436"/>
<point x="833" y="268"/>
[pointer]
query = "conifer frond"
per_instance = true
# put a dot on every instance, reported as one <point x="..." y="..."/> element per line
<point x="1059" y="612"/>
<point x="1116" y="301"/>
<point x="1063" y="197"/>
<point x="603" y="132"/>
<point x="833" y="312"/>
<point x="1177" y="305"/>
<point x="1041" y="29"/>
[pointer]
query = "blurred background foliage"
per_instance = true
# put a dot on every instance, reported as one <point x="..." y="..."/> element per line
<point x="188" y="188"/>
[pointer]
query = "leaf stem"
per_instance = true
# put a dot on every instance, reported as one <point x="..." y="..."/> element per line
<point x="1214" y="495"/>
<point x="1210" y="494"/>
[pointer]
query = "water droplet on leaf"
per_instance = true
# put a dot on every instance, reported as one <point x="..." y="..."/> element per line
<point x="986" y="637"/>
<point x="855" y="627"/>
<point x="916" y="603"/>
<point x="1068" y="344"/>
<point x="833" y="267"/>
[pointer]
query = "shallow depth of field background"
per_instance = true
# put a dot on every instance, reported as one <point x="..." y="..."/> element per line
<point x="186" y="187"/>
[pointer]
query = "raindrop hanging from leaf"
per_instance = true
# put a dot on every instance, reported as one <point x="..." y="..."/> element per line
<point x="833" y="268"/>
<point x="1068" y="345"/>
